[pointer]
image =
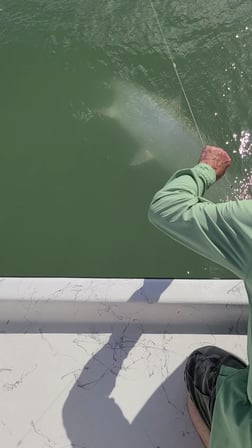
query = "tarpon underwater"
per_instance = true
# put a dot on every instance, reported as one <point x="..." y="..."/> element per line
<point x="160" y="133"/>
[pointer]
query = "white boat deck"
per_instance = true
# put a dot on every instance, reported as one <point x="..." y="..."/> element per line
<point x="99" y="363"/>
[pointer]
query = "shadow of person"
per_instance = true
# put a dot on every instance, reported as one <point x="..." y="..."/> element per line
<point x="90" y="415"/>
<point x="164" y="419"/>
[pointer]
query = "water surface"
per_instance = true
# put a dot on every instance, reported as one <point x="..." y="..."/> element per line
<point x="71" y="203"/>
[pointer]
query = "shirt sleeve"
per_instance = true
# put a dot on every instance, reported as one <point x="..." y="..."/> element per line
<point x="220" y="232"/>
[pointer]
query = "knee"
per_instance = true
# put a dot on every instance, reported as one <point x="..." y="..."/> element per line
<point x="195" y="362"/>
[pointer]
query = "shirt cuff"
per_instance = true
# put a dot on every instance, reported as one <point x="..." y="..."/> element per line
<point x="206" y="173"/>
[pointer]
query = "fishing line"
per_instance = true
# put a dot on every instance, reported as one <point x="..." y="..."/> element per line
<point x="176" y="71"/>
<point x="179" y="78"/>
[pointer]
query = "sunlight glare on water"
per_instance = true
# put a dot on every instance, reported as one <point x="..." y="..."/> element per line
<point x="243" y="181"/>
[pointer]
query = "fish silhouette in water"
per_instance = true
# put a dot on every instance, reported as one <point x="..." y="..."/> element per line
<point x="155" y="126"/>
<point x="159" y="130"/>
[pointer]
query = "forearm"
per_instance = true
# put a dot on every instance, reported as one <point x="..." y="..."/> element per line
<point x="170" y="205"/>
<point x="194" y="180"/>
<point x="220" y="232"/>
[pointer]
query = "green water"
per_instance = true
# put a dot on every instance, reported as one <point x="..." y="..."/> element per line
<point x="71" y="204"/>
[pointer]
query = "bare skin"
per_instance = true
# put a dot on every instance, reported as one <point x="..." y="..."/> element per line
<point x="219" y="160"/>
<point x="198" y="423"/>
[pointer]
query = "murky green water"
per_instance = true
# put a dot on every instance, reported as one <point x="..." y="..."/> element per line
<point x="71" y="203"/>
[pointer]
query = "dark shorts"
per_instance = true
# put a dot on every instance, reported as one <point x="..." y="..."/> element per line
<point x="201" y="373"/>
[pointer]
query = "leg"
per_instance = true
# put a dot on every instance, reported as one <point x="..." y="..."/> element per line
<point x="198" y="423"/>
<point x="201" y="373"/>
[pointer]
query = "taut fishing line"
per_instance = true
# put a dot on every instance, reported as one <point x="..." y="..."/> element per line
<point x="179" y="77"/>
<point x="176" y="71"/>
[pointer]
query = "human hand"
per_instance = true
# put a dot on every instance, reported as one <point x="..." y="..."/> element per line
<point x="217" y="158"/>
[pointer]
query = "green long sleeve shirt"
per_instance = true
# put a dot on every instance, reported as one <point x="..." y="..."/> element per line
<point x="222" y="233"/>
